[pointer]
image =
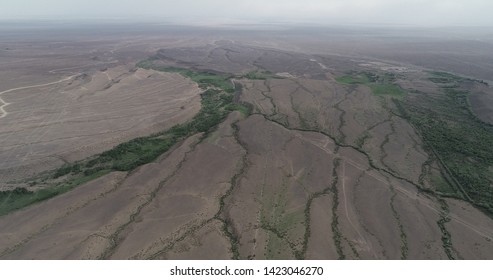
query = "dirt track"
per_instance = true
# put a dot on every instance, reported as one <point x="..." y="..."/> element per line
<point x="2" y="108"/>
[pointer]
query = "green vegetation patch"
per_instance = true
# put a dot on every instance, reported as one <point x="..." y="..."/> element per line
<point x="381" y="85"/>
<point x="21" y="197"/>
<point x="463" y="144"/>
<point x="205" y="80"/>
<point x="357" y="79"/>
<point x="387" y="89"/>
<point x="217" y="102"/>
<point x="441" y="185"/>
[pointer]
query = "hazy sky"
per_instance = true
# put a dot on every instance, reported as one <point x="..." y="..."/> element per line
<point x="414" y="12"/>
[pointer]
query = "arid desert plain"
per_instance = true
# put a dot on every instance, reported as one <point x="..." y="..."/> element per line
<point x="245" y="142"/>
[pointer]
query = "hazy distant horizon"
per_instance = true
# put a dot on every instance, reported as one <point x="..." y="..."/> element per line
<point x="412" y="13"/>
